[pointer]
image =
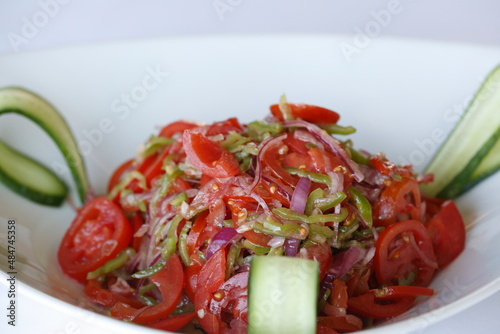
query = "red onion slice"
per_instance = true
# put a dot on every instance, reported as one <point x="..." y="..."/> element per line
<point x="221" y="239"/>
<point x="300" y="194"/>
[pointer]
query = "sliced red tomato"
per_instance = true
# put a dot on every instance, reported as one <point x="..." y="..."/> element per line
<point x="177" y="127"/>
<point x="224" y="127"/>
<point x="118" y="173"/>
<point x="357" y="283"/>
<point x="170" y="281"/>
<point x="173" y="323"/>
<point x="322" y="329"/>
<point x="337" y="302"/>
<point x="398" y="291"/>
<point x="385" y="167"/>
<point x="232" y="298"/>
<point x="404" y="250"/>
<point x="307" y="112"/>
<point x="136" y="221"/>
<point x="321" y="253"/>
<point x="368" y="305"/>
<point x="98" y="233"/>
<point x="97" y="294"/>
<point x="191" y="273"/>
<point x="208" y="156"/>
<point x="236" y="206"/>
<point x="344" y="324"/>
<point x="399" y="201"/>
<point x="447" y="231"/>
<point x="210" y="278"/>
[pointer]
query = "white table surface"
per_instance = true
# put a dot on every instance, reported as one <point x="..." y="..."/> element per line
<point x="75" y="22"/>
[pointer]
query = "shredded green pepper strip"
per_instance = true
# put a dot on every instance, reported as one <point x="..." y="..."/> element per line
<point x="146" y="288"/>
<point x="259" y="250"/>
<point x="170" y="243"/>
<point x="287" y="229"/>
<point x="179" y="198"/>
<point x="335" y="129"/>
<point x="150" y="271"/>
<point x="183" y="252"/>
<point x="133" y="175"/>
<point x="318" y="199"/>
<point x="260" y="130"/>
<point x="123" y="257"/>
<point x="286" y="213"/>
<point x="154" y="144"/>
<point x="314" y="177"/>
<point x="321" y="230"/>
<point x="147" y="300"/>
<point x="232" y="256"/>
<point x="362" y="205"/>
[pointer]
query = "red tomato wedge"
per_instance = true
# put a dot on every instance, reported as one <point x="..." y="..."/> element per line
<point x="368" y="305"/>
<point x="118" y="173"/>
<point x="398" y="291"/>
<point x="98" y="233"/>
<point x="170" y="281"/>
<point x="404" y="250"/>
<point x="399" y="201"/>
<point x="210" y="278"/>
<point x="307" y="112"/>
<point x="447" y="231"/>
<point x="177" y="127"/>
<point x="208" y="156"/>
<point x="173" y="323"/>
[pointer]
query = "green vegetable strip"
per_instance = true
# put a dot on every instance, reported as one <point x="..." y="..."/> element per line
<point x="154" y="144"/>
<point x="183" y="245"/>
<point x="315" y="195"/>
<point x="362" y="205"/>
<point x="170" y="243"/>
<point x="335" y="129"/>
<point x="123" y="257"/>
<point x="286" y="213"/>
<point x="177" y="200"/>
<point x="150" y="271"/>
<point x="260" y="130"/>
<point x="314" y="177"/>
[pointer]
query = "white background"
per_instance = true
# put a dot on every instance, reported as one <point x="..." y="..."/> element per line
<point x="24" y="27"/>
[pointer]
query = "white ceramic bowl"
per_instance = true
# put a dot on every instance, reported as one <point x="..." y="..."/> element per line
<point x="397" y="93"/>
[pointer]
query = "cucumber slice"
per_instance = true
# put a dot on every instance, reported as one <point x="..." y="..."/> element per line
<point x="32" y="106"/>
<point x="470" y="153"/>
<point x="282" y="295"/>
<point x="29" y="178"/>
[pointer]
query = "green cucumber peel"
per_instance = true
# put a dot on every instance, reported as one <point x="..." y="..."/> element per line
<point x="471" y="152"/>
<point x="29" y="178"/>
<point x="25" y="103"/>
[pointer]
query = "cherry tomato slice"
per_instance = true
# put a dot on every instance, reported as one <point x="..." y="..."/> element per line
<point x="208" y="156"/>
<point x="447" y="231"/>
<point x="97" y="294"/>
<point x="98" y="233"/>
<point x="367" y="305"/>
<point x="118" y="173"/>
<point x="173" y="323"/>
<point x="211" y="276"/>
<point x="344" y="324"/>
<point x="177" y="127"/>
<point x="224" y="127"/>
<point x="307" y="112"/>
<point x="321" y="253"/>
<point x="404" y="250"/>
<point x="399" y="201"/>
<point x="398" y="291"/>
<point x="170" y="281"/>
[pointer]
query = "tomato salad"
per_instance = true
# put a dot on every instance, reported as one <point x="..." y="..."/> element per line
<point x="170" y="244"/>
